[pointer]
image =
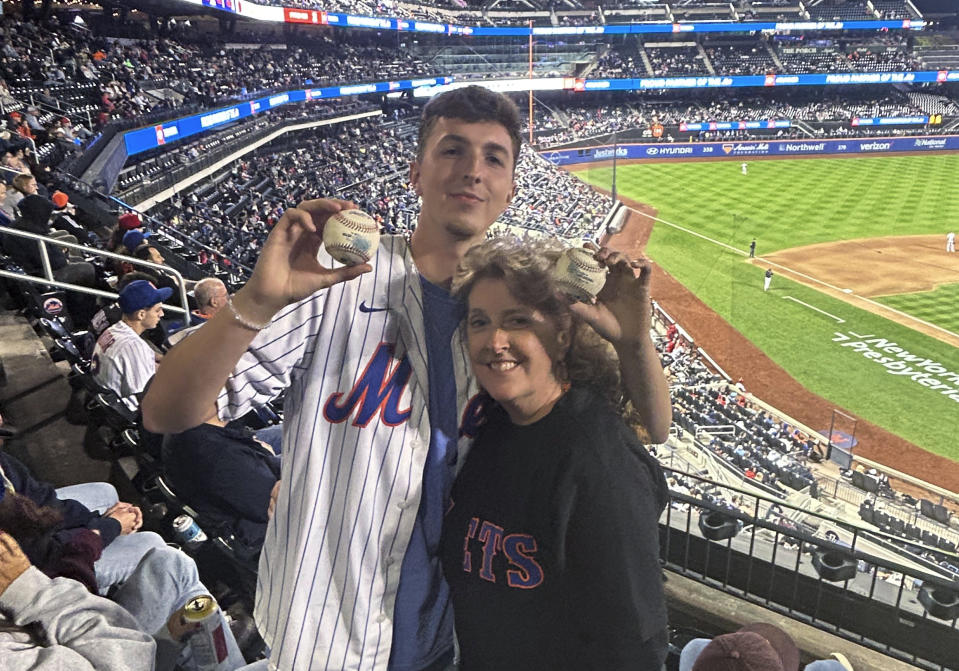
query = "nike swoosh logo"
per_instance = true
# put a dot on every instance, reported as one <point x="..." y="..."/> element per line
<point x="366" y="308"/>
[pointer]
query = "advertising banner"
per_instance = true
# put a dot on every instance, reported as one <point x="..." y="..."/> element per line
<point x="664" y="151"/>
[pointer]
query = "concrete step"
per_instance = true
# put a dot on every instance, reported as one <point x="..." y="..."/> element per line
<point x="33" y="400"/>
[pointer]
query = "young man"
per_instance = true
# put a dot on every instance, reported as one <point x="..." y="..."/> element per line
<point x="122" y="360"/>
<point x="381" y="403"/>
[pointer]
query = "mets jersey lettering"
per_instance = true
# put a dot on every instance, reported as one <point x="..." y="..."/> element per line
<point x="378" y="389"/>
<point x="521" y="568"/>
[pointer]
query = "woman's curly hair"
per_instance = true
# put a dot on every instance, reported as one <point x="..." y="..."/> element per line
<point x="25" y="520"/>
<point x="525" y="267"/>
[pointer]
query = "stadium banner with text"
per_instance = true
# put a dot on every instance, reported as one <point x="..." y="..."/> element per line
<point x="144" y="139"/>
<point x="731" y="81"/>
<point x="301" y="15"/>
<point x="889" y="121"/>
<point x="733" y="125"/>
<point x="686" y="150"/>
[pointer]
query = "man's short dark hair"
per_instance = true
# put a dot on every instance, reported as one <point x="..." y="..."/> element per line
<point x="143" y="252"/>
<point x="473" y="104"/>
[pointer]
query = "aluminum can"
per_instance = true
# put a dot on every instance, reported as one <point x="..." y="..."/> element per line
<point x="208" y="641"/>
<point x="188" y="532"/>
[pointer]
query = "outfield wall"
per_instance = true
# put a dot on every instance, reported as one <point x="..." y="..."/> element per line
<point x="686" y="150"/>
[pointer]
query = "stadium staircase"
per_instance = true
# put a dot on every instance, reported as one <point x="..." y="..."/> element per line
<point x="646" y="62"/>
<point x="702" y="54"/>
<point x="804" y="127"/>
<point x="775" y="57"/>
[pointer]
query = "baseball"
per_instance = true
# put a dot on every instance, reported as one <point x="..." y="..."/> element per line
<point x="579" y="275"/>
<point x="351" y="236"/>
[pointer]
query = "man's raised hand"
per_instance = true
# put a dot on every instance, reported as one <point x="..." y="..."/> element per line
<point x="288" y="270"/>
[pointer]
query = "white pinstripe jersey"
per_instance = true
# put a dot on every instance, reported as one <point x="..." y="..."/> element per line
<point x="124" y="362"/>
<point x="355" y="439"/>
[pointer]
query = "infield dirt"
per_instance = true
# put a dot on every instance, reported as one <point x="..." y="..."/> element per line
<point x="874" y="267"/>
<point x="768" y="381"/>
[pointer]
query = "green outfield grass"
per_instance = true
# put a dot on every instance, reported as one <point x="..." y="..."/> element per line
<point x="797" y="202"/>
<point x="789" y="203"/>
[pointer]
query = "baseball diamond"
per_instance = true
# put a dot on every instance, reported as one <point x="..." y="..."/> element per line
<point x="859" y="238"/>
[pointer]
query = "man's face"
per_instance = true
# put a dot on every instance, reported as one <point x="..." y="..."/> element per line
<point x="155" y="256"/>
<point x="30" y="188"/>
<point x="465" y="177"/>
<point x="151" y="316"/>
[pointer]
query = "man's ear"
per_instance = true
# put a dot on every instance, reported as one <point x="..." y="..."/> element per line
<point x="415" y="177"/>
<point x="512" y="194"/>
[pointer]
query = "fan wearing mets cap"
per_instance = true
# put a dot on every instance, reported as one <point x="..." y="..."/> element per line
<point x="122" y="360"/>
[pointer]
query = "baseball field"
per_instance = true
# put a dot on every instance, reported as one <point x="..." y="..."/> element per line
<point x="862" y="309"/>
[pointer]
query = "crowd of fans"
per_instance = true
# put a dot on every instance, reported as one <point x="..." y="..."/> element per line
<point x="758" y="57"/>
<point x="63" y="82"/>
<point x="677" y="61"/>
<point x="829" y="115"/>
<point x="233" y="212"/>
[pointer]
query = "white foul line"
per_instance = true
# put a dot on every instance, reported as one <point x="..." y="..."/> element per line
<point x="815" y="280"/>
<point x="813" y="307"/>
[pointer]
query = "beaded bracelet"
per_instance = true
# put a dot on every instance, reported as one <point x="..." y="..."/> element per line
<point x="243" y="321"/>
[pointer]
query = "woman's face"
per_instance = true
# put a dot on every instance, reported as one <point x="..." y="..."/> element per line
<point x="512" y="349"/>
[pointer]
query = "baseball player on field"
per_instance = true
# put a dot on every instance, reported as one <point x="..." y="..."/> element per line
<point x="951" y="241"/>
<point x="381" y="405"/>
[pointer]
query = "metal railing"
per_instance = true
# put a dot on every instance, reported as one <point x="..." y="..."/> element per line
<point x="785" y="558"/>
<point x="49" y="280"/>
<point x="161" y="227"/>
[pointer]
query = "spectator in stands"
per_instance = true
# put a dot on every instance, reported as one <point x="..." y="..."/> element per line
<point x="64" y="219"/>
<point x="211" y="295"/>
<point x="15" y="160"/>
<point x="146" y="251"/>
<point x="759" y="645"/>
<point x="35" y="212"/>
<point x="556" y="386"/>
<point x="123" y="361"/>
<point x="152" y="581"/>
<point x="59" y="622"/>
<point x="468" y="146"/>
<point x="134" y="239"/>
<point x="126" y="222"/>
<point x="23" y="185"/>
<point x="227" y="475"/>
<point x="30" y="118"/>
<point x="5" y="218"/>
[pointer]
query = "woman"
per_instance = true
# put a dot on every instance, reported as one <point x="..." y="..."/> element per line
<point x="550" y="543"/>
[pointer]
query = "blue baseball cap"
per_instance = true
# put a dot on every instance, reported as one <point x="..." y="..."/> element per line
<point x="142" y="294"/>
<point x="135" y="238"/>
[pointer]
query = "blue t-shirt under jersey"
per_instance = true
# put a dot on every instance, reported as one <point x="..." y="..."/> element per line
<point x="423" y="616"/>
